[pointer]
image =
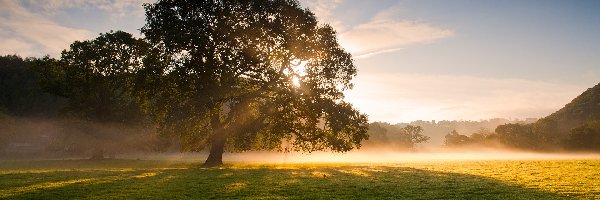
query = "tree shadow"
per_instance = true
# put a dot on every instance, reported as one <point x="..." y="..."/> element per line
<point x="293" y="182"/>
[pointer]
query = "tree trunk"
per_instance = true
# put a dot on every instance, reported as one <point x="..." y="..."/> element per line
<point x="215" y="157"/>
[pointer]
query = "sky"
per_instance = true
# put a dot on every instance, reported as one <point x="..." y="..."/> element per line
<point x="417" y="59"/>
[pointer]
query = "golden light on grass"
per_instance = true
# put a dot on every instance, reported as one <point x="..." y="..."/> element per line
<point x="321" y="174"/>
<point x="41" y="186"/>
<point x="145" y="175"/>
<point x="539" y="179"/>
<point x="355" y="171"/>
<point x="236" y="186"/>
<point x="122" y="174"/>
<point x="226" y="175"/>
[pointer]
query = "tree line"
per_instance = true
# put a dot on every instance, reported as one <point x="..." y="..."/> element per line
<point x="540" y="136"/>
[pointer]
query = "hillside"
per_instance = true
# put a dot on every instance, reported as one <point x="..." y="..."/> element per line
<point x="584" y="108"/>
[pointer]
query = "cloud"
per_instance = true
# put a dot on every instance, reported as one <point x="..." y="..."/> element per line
<point x="14" y="46"/>
<point x="386" y="33"/>
<point x="324" y="10"/>
<point x="115" y="7"/>
<point x="406" y="97"/>
<point x="30" y="34"/>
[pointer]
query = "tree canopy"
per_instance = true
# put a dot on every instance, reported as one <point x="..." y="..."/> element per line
<point x="247" y="75"/>
<point x="21" y="93"/>
<point x="585" y="137"/>
<point x="98" y="77"/>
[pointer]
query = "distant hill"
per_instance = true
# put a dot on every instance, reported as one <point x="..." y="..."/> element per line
<point x="576" y="126"/>
<point x="584" y="108"/>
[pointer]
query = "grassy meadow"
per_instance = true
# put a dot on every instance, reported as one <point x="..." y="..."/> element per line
<point x="162" y="179"/>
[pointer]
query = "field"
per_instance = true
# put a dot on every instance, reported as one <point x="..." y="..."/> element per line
<point x="162" y="179"/>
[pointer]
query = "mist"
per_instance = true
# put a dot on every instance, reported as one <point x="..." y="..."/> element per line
<point x="399" y="157"/>
<point x="35" y="138"/>
<point x="364" y="156"/>
<point x="72" y="138"/>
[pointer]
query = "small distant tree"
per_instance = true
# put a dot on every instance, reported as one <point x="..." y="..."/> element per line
<point x="411" y="135"/>
<point x="453" y="139"/>
<point x="249" y="75"/>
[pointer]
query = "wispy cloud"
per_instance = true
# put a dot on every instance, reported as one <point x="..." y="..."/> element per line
<point x="407" y="97"/>
<point x="114" y="7"/>
<point x="27" y="27"/>
<point x="387" y="33"/>
<point x="381" y="36"/>
<point x="324" y="10"/>
<point x="30" y="34"/>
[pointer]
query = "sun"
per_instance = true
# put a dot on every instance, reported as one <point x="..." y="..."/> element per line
<point x="296" y="81"/>
<point x="298" y="71"/>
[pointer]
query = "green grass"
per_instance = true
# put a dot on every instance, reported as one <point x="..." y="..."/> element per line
<point x="139" y="179"/>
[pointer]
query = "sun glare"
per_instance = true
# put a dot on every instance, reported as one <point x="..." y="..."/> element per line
<point x="298" y="71"/>
<point x="296" y="81"/>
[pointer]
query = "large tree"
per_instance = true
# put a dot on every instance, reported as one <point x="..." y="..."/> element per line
<point x="247" y="75"/>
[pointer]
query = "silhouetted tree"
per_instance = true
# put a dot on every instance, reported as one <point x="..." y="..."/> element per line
<point x="243" y="75"/>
